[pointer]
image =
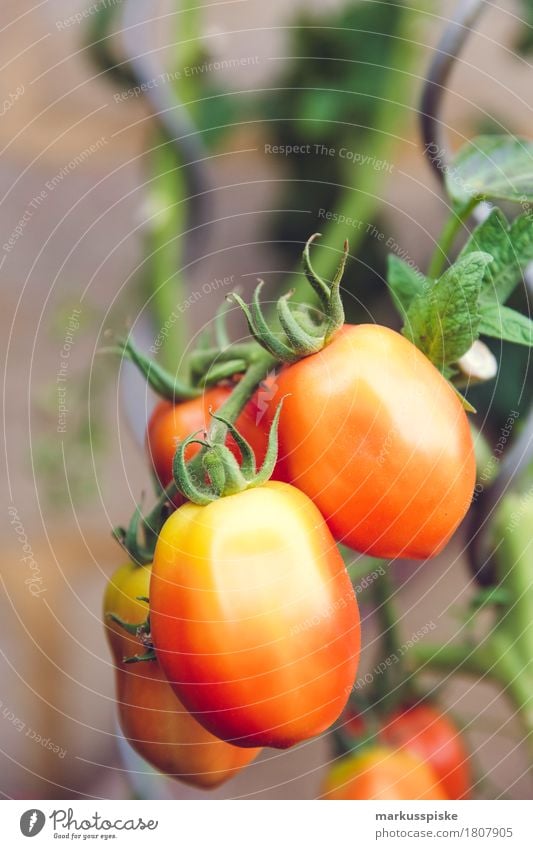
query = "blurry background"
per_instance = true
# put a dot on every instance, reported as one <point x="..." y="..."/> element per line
<point x="91" y="224"/>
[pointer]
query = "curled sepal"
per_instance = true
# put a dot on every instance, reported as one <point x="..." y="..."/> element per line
<point x="320" y="286"/>
<point x="248" y="468"/>
<point x="310" y="319"/>
<point x="141" y="631"/>
<point x="301" y="341"/>
<point x="271" y="456"/>
<point x="162" y="381"/>
<point x="335" y="309"/>
<point x="129" y="539"/>
<point x="301" y="335"/>
<point x="269" y="339"/>
<point x="224" y="471"/>
<point x="198" y="493"/>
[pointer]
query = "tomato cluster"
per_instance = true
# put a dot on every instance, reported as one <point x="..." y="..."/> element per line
<point x="245" y="629"/>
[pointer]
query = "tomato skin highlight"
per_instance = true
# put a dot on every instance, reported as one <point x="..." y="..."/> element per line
<point x="425" y="731"/>
<point x="254" y="618"/>
<point x="378" y="439"/>
<point x="381" y="773"/>
<point x="151" y="717"/>
<point x="170" y="424"/>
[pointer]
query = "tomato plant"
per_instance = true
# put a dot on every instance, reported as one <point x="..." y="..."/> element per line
<point x="254" y="619"/>
<point x="152" y="718"/>
<point x="425" y="731"/>
<point x="378" y="439"/>
<point x="379" y="772"/>
<point x="254" y="625"/>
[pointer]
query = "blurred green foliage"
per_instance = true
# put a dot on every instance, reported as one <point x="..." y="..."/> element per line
<point x="524" y="44"/>
<point x="329" y="94"/>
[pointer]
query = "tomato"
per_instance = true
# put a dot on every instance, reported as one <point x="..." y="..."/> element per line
<point x="254" y="619"/>
<point x="381" y="773"/>
<point x="151" y="716"/>
<point x="378" y="439"/>
<point x="425" y="731"/>
<point x="172" y="423"/>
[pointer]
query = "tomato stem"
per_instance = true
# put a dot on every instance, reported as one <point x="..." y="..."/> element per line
<point x="202" y="362"/>
<point x="230" y="410"/>
<point x="497" y="658"/>
<point x="165" y="245"/>
<point x="454" y="222"/>
<point x="161" y="381"/>
<point x="512" y="530"/>
<point x="392" y="686"/>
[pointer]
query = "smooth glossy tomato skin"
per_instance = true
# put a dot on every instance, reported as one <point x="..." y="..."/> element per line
<point x="374" y="434"/>
<point x="428" y="733"/>
<point x="384" y="774"/>
<point x="151" y="716"/>
<point x="172" y="423"/>
<point x="254" y="618"/>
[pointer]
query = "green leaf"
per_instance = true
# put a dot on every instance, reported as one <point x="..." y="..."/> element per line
<point x="405" y="283"/>
<point x="511" y="246"/>
<point x="504" y="323"/>
<point x="492" y="167"/>
<point x="443" y="322"/>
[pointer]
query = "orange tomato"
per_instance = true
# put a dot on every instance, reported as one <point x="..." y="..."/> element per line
<point x="381" y="773"/>
<point x="151" y="716"/>
<point x="254" y="618"/>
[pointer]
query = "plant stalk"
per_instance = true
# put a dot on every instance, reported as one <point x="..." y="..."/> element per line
<point x="455" y="221"/>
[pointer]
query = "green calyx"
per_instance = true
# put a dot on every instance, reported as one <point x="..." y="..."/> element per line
<point x="304" y="330"/>
<point x="218" y="473"/>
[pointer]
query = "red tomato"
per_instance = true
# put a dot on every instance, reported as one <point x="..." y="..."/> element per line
<point x="253" y="616"/>
<point x="428" y="733"/>
<point x="385" y="774"/>
<point x="172" y="423"/>
<point x="374" y="434"/>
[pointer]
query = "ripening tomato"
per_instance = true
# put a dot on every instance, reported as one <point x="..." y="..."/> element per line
<point x="424" y="731"/>
<point x="172" y="423"/>
<point x="254" y="618"/>
<point x="151" y="716"/>
<point x="374" y="434"/>
<point x="381" y="773"/>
